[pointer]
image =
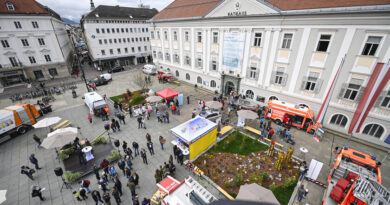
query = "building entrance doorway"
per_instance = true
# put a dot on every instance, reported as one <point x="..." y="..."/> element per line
<point x="229" y="87"/>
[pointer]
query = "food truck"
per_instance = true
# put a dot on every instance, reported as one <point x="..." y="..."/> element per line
<point x="189" y="191"/>
<point x="195" y="136"/>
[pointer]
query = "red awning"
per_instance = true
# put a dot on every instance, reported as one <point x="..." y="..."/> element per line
<point x="169" y="184"/>
<point x="167" y="93"/>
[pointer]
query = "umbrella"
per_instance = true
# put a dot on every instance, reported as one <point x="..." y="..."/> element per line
<point x="60" y="137"/>
<point x="256" y="193"/>
<point x="153" y="99"/>
<point x="213" y="104"/>
<point x="47" y="122"/>
<point x="247" y="114"/>
<point x="3" y="194"/>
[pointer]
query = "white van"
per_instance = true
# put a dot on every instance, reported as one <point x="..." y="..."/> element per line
<point x="149" y="69"/>
<point x="94" y="102"/>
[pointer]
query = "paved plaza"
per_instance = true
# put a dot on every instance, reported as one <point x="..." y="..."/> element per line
<point x="15" y="152"/>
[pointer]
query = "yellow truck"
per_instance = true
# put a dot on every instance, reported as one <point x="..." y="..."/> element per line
<point x="18" y="119"/>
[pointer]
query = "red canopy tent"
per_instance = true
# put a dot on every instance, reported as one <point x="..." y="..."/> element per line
<point x="167" y="93"/>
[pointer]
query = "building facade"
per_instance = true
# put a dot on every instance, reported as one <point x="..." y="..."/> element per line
<point x="118" y="35"/>
<point x="34" y="43"/>
<point x="284" y="50"/>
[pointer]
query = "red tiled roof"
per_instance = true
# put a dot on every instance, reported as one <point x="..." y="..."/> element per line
<point x="199" y="8"/>
<point x="187" y="9"/>
<point x="23" y="7"/>
<point x="314" y="4"/>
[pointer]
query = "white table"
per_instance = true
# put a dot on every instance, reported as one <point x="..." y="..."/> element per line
<point x="182" y="147"/>
<point x="88" y="155"/>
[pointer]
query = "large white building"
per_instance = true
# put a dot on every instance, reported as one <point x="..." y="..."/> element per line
<point x="118" y="35"/>
<point x="286" y="50"/>
<point x="34" y="43"/>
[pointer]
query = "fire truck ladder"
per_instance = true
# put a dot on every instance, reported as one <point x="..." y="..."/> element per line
<point x="371" y="192"/>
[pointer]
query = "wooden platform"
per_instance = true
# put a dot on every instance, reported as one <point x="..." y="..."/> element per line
<point x="100" y="152"/>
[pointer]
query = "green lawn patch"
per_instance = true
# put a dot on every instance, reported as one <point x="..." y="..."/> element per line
<point x="283" y="194"/>
<point x="238" y="143"/>
<point x="117" y="98"/>
<point x="137" y="99"/>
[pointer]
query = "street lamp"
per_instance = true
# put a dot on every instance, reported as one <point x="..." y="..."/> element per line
<point x="83" y="74"/>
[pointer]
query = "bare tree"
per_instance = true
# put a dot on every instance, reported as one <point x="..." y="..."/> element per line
<point x="142" y="81"/>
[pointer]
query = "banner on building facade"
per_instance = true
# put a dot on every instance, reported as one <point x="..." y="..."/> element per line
<point x="233" y="51"/>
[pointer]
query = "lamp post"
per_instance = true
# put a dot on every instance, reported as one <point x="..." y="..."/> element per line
<point x="83" y="74"/>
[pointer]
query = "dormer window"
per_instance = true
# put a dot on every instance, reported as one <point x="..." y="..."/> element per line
<point x="10" y="6"/>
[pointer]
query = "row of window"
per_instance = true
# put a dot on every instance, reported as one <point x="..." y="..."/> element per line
<point x="374" y="130"/>
<point x="16" y="63"/>
<point x="369" y="49"/>
<point x="187" y="60"/>
<point x="24" y="42"/>
<point x="119" y="40"/>
<point x="116" y="21"/>
<point x="18" y="25"/>
<point x="122" y="30"/>
<point x="39" y="74"/>
<point x="119" y="51"/>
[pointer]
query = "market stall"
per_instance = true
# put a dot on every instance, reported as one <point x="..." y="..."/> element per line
<point x="167" y="93"/>
<point x="195" y="136"/>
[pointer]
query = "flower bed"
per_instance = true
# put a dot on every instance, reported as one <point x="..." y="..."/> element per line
<point x="238" y="160"/>
<point x="130" y="98"/>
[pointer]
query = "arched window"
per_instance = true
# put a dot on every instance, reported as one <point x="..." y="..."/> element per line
<point x="374" y="130"/>
<point x="339" y="120"/>
<point x="273" y="98"/>
<point x="187" y="76"/>
<point x="168" y="69"/>
<point x="213" y="84"/>
<point x="10" y="6"/>
<point x="199" y="80"/>
<point x="177" y="73"/>
<point x="249" y="94"/>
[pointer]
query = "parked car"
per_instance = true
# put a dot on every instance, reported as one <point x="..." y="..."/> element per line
<point x="149" y="69"/>
<point x="106" y="76"/>
<point x="116" y="69"/>
<point x="100" y="81"/>
<point x="209" y="113"/>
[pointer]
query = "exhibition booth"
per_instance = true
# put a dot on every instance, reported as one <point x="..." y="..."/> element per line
<point x="195" y="136"/>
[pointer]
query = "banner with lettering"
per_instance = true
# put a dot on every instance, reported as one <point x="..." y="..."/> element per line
<point x="233" y="51"/>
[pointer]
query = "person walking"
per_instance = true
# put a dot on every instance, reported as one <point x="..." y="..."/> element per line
<point x="129" y="152"/>
<point x="162" y="141"/>
<point x="139" y="119"/>
<point x="158" y="114"/>
<point x="135" y="147"/>
<point x="103" y="184"/>
<point x="85" y="184"/>
<point x="143" y="121"/>
<point x="136" y="200"/>
<point x="37" y="140"/>
<point x="34" y="161"/>
<point x="157" y="176"/>
<point x="124" y="146"/>
<point x="83" y="194"/>
<point x="36" y="191"/>
<point x="118" y="185"/>
<point x="76" y="195"/>
<point x="150" y="147"/>
<point x="116" y="195"/>
<point x="148" y="137"/>
<point x="122" y="118"/>
<point x="167" y="116"/>
<point x="117" y="125"/>
<point x="131" y="186"/>
<point x="181" y="156"/>
<point x="106" y="198"/>
<point x="193" y="113"/>
<point x="128" y="162"/>
<point x="302" y="170"/>
<point x="301" y="193"/>
<point x="130" y="110"/>
<point x="96" y="197"/>
<point x="122" y="165"/>
<point x="143" y="155"/>
<point x="135" y="178"/>
<point x="175" y="150"/>
<point x="270" y="133"/>
<point x="27" y="171"/>
<point x="96" y="171"/>
<point x="90" y="118"/>
<point x="188" y="100"/>
<point x="127" y="173"/>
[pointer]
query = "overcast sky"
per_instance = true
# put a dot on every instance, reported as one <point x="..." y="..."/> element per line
<point x="73" y="9"/>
